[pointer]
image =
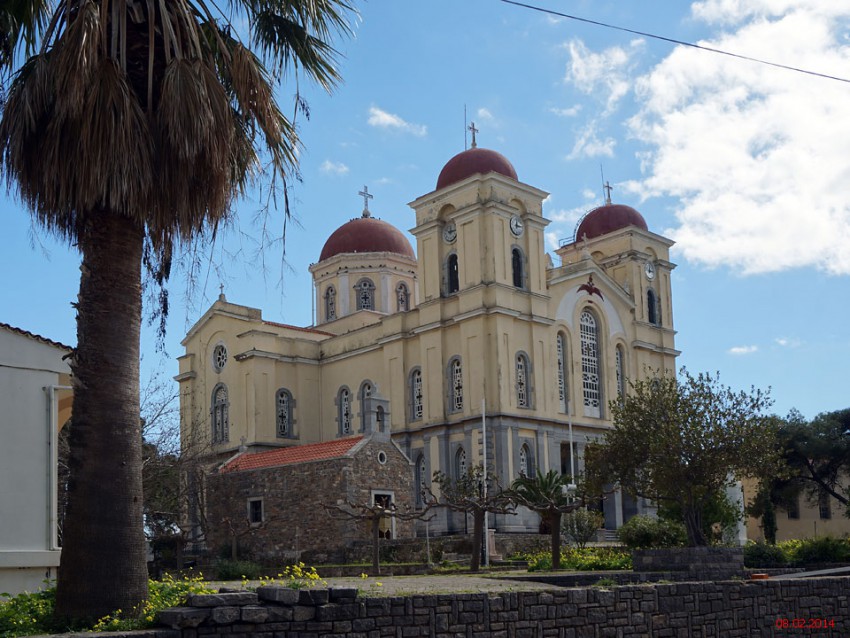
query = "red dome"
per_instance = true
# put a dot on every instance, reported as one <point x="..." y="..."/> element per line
<point x="606" y="219"/>
<point x="366" y="235"/>
<point x="471" y="162"/>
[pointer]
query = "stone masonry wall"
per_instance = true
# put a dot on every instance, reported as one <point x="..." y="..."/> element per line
<point x="295" y="523"/>
<point x="731" y="609"/>
<point x="698" y="563"/>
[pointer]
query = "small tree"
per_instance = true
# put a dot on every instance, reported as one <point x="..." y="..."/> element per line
<point x="468" y="494"/>
<point x="817" y="454"/>
<point x="548" y="495"/>
<point x="374" y="513"/>
<point x="683" y="441"/>
<point x="581" y="525"/>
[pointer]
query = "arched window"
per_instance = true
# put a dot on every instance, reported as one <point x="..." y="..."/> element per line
<point x="590" y="365"/>
<point x="330" y="304"/>
<point x="523" y="381"/>
<point x="653" y="315"/>
<point x="561" y="356"/>
<point x="283" y="403"/>
<point x="452" y="274"/>
<point x="402" y="296"/>
<point x="516" y="267"/>
<point x="365" y="404"/>
<point x="455" y="385"/>
<point x="421" y="480"/>
<point x="379" y="418"/>
<point x="460" y="463"/>
<point x="523" y="460"/>
<point x="417" y="403"/>
<point x="219" y="414"/>
<point x="619" y="362"/>
<point x="365" y="291"/>
<point x="344" y="409"/>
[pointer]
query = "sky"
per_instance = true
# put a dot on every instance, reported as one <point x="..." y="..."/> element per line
<point x="744" y="165"/>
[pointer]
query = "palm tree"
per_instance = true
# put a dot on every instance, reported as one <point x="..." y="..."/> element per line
<point x="548" y="495"/>
<point x="128" y="128"/>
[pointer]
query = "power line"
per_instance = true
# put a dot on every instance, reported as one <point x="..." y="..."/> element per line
<point x="680" y="42"/>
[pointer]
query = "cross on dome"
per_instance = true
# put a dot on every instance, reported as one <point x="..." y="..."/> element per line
<point x="474" y="130"/>
<point x="607" y="188"/>
<point x="366" y="197"/>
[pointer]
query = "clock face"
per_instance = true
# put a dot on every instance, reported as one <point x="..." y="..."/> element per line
<point x="649" y="269"/>
<point x="450" y="232"/>
<point x="516" y="225"/>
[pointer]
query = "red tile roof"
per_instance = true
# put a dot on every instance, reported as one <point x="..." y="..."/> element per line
<point x="295" y="454"/>
<point x="32" y="335"/>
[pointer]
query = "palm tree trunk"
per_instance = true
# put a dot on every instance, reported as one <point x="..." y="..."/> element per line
<point x="103" y="559"/>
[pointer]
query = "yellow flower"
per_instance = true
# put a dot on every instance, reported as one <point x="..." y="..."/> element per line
<point x="364" y="575"/>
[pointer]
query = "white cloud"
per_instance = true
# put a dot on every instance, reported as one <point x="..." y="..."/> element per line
<point x="742" y="350"/>
<point x="484" y="115"/>
<point x="589" y="144"/>
<point x="333" y="168"/>
<point x="788" y="343"/>
<point x="382" y="119"/>
<point x="757" y="156"/>
<point x="602" y="74"/>
<point x="568" y="112"/>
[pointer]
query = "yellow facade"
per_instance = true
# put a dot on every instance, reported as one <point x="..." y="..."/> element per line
<point x="491" y="324"/>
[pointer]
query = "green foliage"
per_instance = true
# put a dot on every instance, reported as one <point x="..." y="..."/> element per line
<point x="238" y="570"/>
<point x="762" y="554"/>
<point x="642" y="532"/>
<point x="824" y="549"/>
<point x="679" y="440"/>
<point x="719" y="517"/>
<point x="797" y="552"/>
<point x="580" y="526"/>
<point x="28" y="614"/>
<point x="817" y="454"/>
<point x="587" y="559"/>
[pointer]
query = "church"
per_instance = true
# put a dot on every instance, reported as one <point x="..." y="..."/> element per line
<point x="477" y="325"/>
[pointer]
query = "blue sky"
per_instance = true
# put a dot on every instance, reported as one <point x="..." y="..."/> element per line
<point x="744" y="165"/>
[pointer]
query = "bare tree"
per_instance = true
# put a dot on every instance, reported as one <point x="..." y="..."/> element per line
<point x="374" y="513"/>
<point x="475" y="493"/>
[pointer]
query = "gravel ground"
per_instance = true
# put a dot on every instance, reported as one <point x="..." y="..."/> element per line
<point x="437" y="584"/>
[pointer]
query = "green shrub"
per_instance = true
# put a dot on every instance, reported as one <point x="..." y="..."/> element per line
<point x="762" y="554"/>
<point x="580" y="526"/>
<point x="642" y="532"/>
<point x="237" y="570"/>
<point x="824" y="549"/>
<point x="29" y="614"/>
<point x="26" y="614"/>
<point x="587" y="559"/>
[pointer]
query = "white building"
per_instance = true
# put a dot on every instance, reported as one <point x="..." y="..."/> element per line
<point x="36" y="399"/>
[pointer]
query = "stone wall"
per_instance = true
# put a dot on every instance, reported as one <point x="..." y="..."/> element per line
<point x="697" y="563"/>
<point x="295" y="523"/>
<point x="729" y="609"/>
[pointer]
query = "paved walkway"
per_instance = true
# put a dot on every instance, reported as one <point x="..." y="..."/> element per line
<point x="460" y="583"/>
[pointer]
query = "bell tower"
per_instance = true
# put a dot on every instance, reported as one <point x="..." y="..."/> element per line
<point x="481" y="228"/>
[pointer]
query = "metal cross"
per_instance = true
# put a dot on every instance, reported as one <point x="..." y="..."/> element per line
<point x="366" y="197"/>
<point x="474" y="131"/>
<point x="607" y="188"/>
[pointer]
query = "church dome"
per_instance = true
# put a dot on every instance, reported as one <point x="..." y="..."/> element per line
<point x="608" y="218"/>
<point x="366" y="235"/>
<point x="472" y="161"/>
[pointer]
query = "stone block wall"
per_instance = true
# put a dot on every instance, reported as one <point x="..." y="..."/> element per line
<point x="732" y="609"/>
<point x="294" y="520"/>
<point x="699" y="563"/>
